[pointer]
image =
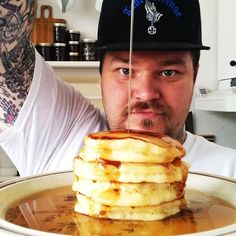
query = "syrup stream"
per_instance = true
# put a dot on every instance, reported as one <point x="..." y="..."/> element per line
<point x="130" y="62"/>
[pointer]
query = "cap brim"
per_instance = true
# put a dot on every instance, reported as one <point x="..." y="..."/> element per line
<point x="152" y="46"/>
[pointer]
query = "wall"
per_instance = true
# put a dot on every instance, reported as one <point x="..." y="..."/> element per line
<point x="84" y="17"/>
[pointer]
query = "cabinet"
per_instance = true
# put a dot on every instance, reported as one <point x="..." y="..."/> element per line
<point x="226" y="41"/>
<point x="7" y="169"/>
<point x="83" y="76"/>
<point x="224" y="98"/>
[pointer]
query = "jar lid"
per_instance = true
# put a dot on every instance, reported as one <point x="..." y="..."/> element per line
<point x="74" y="42"/>
<point x="59" y="25"/>
<point x="88" y="40"/>
<point x="73" y="53"/>
<point x="45" y="44"/>
<point x="59" y="44"/>
<point x="74" y="31"/>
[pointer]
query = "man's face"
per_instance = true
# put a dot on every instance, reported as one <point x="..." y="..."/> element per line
<point x="161" y="90"/>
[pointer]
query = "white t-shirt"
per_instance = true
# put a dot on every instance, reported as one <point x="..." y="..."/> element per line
<point x="55" y="118"/>
<point x="208" y="157"/>
<point x="51" y="125"/>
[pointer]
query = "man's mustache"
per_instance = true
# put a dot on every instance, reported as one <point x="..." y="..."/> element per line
<point x="154" y="106"/>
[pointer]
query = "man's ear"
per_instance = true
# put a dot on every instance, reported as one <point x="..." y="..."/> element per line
<point x="196" y="72"/>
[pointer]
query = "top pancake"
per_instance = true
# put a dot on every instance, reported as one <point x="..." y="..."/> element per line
<point x="131" y="146"/>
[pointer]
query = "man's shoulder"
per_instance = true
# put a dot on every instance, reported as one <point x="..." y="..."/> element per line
<point x="208" y="157"/>
<point x="199" y="144"/>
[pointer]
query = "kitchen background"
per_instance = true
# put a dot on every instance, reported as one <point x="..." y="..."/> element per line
<point x="213" y="114"/>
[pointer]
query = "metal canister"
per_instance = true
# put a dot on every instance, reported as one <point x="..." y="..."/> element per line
<point x="60" y="35"/>
<point x="88" y="50"/>
<point x="60" y="51"/>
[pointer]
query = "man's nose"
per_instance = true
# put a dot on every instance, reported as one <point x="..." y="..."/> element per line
<point x="145" y="87"/>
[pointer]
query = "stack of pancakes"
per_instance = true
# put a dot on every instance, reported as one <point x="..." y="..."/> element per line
<point x="130" y="175"/>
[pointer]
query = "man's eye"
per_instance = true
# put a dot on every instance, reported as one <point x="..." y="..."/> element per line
<point x="124" y="71"/>
<point x="168" y="73"/>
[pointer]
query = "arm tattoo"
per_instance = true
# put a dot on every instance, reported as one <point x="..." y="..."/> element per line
<point x="17" y="57"/>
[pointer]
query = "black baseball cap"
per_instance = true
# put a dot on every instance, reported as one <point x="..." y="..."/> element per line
<point x="158" y="25"/>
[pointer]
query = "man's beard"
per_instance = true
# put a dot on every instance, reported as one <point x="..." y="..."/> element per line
<point x="147" y="123"/>
<point x="153" y="106"/>
<point x="164" y="113"/>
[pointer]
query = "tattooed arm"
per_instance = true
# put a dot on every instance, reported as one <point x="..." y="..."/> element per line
<point x="16" y="57"/>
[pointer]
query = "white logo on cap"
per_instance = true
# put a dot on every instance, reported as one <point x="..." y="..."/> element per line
<point x="153" y="16"/>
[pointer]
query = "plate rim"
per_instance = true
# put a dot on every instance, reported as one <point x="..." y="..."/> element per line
<point x="21" y="179"/>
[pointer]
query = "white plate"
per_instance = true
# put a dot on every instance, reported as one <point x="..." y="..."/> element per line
<point x="14" y="190"/>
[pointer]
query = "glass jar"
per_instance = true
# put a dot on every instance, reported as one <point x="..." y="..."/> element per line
<point x="45" y="49"/>
<point x="88" y="50"/>
<point x="73" y="46"/>
<point x="59" y="30"/>
<point x="60" y="51"/>
<point x="73" y="35"/>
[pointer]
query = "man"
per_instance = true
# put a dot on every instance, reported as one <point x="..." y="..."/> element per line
<point x="48" y="120"/>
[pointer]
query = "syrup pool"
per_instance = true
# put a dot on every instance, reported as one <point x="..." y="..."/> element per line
<point x="52" y="211"/>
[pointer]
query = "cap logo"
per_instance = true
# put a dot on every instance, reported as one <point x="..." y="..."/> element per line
<point x="153" y="16"/>
<point x="127" y="10"/>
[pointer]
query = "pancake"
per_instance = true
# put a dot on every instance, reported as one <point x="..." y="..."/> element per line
<point x="88" y="206"/>
<point x="129" y="194"/>
<point x="132" y="146"/>
<point x="130" y="175"/>
<point x="102" y="170"/>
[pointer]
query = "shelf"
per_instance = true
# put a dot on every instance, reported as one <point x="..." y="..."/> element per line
<point x="74" y="64"/>
<point x="220" y="100"/>
<point x="77" y="71"/>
